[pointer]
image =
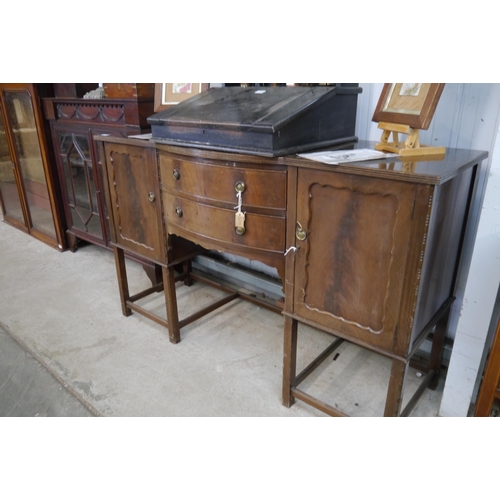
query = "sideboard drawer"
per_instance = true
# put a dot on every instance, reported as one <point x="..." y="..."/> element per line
<point x="203" y="222"/>
<point x="212" y="182"/>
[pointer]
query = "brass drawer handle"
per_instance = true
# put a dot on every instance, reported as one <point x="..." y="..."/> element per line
<point x="300" y="233"/>
<point x="240" y="186"/>
<point x="240" y="230"/>
<point x="176" y="174"/>
<point x="151" y="197"/>
<point x="178" y="211"/>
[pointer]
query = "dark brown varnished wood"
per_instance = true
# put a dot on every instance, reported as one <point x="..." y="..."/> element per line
<point x="73" y="123"/>
<point x="349" y="270"/>
<point x="121" y="272"/>
<point x="424" y="170"/>
<point x="205" y="222"/>
<point x="378" y="265"/>
<point x="210" y="181"/>
<point x="141" y="212"/>
<point x="443" y="246"/>
<point x="420" y="120"/>
<point x="316" y="403"/>
<point x="395" y="389"/>
<point x="418" y="394"/>
<point x="171" y="304"/>
<point x="317" y="361"/>
<point x="200" y="200"/>
<point x="289" y="359"/>
<point x="135" y="200"/>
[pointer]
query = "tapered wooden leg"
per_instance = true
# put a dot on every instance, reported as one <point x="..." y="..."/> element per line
<point x="171" y="303"/>
<point x="437" y="349"/>
<point x="395" y="390"/>
<point x="289" y="360"/>
<point x="121" y="272"/>
<point x="72" y="242"/>
<point x="186" y="268"/>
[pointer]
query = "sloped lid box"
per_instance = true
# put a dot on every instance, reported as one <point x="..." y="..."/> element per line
<point x="267" y="121"/>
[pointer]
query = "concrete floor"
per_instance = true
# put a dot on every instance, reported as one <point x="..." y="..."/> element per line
<point x="28" y="389"/>
<point x="67" y="350"/>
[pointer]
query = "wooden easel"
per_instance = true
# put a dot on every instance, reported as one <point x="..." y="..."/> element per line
<point x="411" y="147"/>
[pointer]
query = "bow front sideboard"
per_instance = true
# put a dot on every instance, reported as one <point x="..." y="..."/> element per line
<point x="368" y="252"/>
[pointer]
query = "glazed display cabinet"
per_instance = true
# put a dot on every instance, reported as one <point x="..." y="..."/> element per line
<point x="28" y="179"/>
<point x="74" y="123"/>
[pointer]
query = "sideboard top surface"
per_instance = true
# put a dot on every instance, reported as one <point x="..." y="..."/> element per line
<point x="422" y="170"/>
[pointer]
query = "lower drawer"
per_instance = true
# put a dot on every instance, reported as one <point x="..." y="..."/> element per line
<point x="262" y="232"/>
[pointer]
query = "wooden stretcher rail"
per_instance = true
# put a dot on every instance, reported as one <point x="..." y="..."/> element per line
<point x="316" y="403"/>
<point x="317" y="361"/>
<point x="418" y="394"/>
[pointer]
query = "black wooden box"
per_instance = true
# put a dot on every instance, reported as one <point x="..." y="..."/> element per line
<point x="268" y="121"/>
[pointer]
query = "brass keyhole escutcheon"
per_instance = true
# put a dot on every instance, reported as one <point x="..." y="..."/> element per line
<point x="176" y="174"/>
<point x="178" y="211"/>
<point x="240" y="230"/>
<point x="300" y="233"/>
<point x="240" y="186"/>
<point x="151" y="197"/>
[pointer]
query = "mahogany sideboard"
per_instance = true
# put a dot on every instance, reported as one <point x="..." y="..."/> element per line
<point x="368" y="252"/>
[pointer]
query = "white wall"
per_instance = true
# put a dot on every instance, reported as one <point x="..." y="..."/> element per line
<point x="467" y="116"/>
<point x="479" y="300"/>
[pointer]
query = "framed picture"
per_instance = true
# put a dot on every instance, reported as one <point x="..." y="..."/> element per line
<point x="411" y="104"/>
<point x="170" y="94"/>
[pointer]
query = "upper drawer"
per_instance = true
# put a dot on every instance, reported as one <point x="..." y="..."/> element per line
<point x="212" y="182"/>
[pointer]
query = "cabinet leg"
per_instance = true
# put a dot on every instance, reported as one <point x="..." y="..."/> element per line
<point x="187" y="268"/>
<point x="395" y="390"/>
<point x="72" y="242"/>
<point x="121" y="272"/>
<point x="289" y="360"/>
<point x="437" y="349"/>
<point x="171" y="303"/>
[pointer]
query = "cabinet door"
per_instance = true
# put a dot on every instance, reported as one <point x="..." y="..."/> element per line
<point x="12" y="207"/>
<point x="80" y="183"/>
<point x="33" y="206"/>
<point x="134" y="199"/>
<point x="349" y="271"/>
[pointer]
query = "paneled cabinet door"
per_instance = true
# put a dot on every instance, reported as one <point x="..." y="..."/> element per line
<point x="134" y="199"/>
<point x="350" y="268"/>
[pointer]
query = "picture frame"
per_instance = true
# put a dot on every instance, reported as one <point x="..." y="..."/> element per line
<point x="170" y="94"/>
<point x="411" y="104"/>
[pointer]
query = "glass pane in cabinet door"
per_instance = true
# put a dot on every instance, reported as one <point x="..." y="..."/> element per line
<point x="8" y="187"/>
<point x="68" y="177"/>
<point x="22" y="121"/>
<point x="82" y="144"/>
<point x="80" y="185"/>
